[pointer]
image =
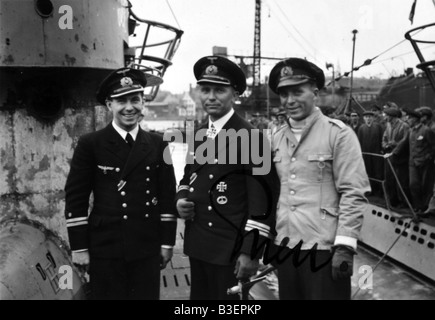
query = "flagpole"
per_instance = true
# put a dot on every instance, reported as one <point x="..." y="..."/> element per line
<point x="412" y="12"/>
<point x="351" y="73"/>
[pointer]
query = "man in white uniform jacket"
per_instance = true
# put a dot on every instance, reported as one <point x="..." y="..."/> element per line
<point x="323" y="186"/>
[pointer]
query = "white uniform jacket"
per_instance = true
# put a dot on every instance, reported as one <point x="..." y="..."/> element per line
<point x="323" y="184"/>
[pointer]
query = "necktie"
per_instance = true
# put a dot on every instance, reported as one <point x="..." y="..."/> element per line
<point x="211" y="131"/>
<point x="129" y="140"/>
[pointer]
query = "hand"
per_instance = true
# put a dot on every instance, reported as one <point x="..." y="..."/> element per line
<point x="81" y="260"/>
<point x="165" y="257"/>
<point x="387" y="155"/>
<point x="245" y="267"/>
<point x="342" y="262"/>
<point x="186" y="208"/>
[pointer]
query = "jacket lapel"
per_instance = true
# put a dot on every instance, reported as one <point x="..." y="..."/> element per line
<point x="141" y="149"/>
<point x="195" y="165"/>
<point x="113" y="143"/>
<point x="232" y="123"/>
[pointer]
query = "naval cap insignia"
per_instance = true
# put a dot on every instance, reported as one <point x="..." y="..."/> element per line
<point x="211" y="70"/>
<point x="126" y="81"/>
<point x="286" y="71"/>
<point x="212" y="59"/>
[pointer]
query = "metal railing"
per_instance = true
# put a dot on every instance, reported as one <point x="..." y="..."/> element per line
<point x="387" y="200"/>
<point x="426" y="66"/>
<point x="143" y="58"/>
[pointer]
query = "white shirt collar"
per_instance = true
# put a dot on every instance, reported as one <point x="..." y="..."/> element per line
<point x="123" y="133"/>
<point x="219" y="124"/>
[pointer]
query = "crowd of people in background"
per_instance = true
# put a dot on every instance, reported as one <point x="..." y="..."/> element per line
<point x="398" y="146"/>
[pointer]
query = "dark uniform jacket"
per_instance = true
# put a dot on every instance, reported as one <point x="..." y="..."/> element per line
<point x="133" y="211"/>
<point x="421" y="142"/>
<point x="229" y="200"/>
<point x="394" y="134"/>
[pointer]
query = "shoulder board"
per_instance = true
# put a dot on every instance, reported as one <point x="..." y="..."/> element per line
<point x="337" y="122"/>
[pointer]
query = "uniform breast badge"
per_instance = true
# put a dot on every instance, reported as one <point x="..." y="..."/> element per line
<point x="105" y="169"/>
<point x="222" y="200"/>
<point x="193" y="177"/>
<point x="221" y="187"/>
<point x="121" y="184"/>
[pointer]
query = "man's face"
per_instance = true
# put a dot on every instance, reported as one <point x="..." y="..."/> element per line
<point x="388" y="118"/>
<point x="127" y="110"/>
<point x="354" y="118"/>
<point x="299" y="100"/>
<point x="217" y="100"/>
<point x="412" y="121"/>
<point x="368" y="119"/>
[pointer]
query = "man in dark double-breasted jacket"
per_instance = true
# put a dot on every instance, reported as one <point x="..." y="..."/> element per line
<point x="129" y="234"/>
<point x="226" y="197"/>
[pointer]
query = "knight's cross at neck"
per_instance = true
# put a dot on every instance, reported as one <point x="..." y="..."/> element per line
<point x="211" y="132"/>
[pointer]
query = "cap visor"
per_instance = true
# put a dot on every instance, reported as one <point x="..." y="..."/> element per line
<point x="126" y="92"/>
<point x="291" y="82"/>
<point x="204" y="81"/>
<point x="153" y="80"/>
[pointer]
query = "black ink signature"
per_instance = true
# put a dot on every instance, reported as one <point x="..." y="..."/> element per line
<point x="272" y="253"/>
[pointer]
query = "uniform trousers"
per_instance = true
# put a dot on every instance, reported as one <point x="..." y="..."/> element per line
<point x="394" y="193"/>
<point x="210" y="281"/>
<point x="421" y="181"/>
<point x="117" y="279"/>
<point x="299" y="282"/>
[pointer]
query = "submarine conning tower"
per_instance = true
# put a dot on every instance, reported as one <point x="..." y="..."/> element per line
<point x="53" y="55"/>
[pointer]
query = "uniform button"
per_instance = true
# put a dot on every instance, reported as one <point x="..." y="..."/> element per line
<point x="209" y="208"/>
<point x="147" y="203"/>
<point x="293" y="208"/>
<point x="211" y="176"/>
<point x="293" y="159"/>
<point x="191" y="189"/>
<point x="147" y="192"/>
<point x="293" y="176"/>
<point x="117" y="169"/>
<point x="125" y="217"/>
<point x="70" y="214"/>
<point x="321" y="159"/>
<point x="210" y="224"/>
<point x="215" y="160"/>
<point x="124" y="205"/>
<point x="148" y="179"/>
<point x="148" y="168"/>
<point x="147" y="215"/>
<point x="122" y="193"/>
<point x="293" y="145"/>
<point x="292" y="192"/>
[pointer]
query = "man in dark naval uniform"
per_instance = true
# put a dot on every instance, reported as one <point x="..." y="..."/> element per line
<point x="227" y="207"/>
<point x="129" y="234"/>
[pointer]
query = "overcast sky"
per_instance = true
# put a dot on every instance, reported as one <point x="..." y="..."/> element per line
<point x="319" y="30"/>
